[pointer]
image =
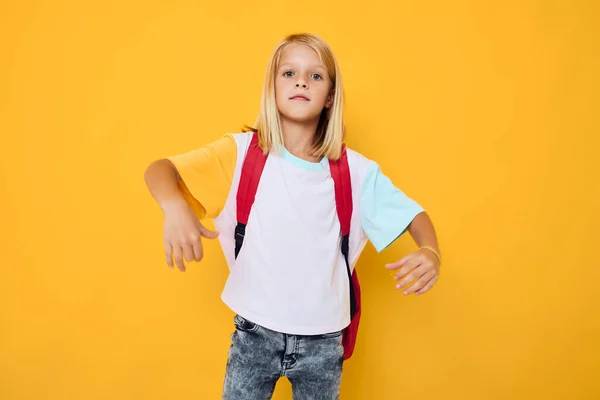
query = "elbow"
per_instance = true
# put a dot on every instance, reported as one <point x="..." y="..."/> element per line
<point x="163" y="165"/>
<point x="150" y="169"/>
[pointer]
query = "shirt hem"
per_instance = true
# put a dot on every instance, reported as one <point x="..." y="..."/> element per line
<point x="282" y="328"/>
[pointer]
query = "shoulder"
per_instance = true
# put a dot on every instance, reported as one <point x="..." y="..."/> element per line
<point x="359" y="165"/>
<point x="241" y="142"/>
<point x="242" y="139"/>
<point x="356" y="157"/>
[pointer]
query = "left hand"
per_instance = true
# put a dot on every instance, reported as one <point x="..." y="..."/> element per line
<point x="422" y="265"/>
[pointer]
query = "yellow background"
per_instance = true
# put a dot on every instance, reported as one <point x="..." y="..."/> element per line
<point x="485" y="113"/>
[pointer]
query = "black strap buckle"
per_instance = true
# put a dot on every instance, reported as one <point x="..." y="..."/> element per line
<point x="240" y="233"/>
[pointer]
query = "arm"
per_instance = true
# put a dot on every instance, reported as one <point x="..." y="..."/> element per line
<point x="386" y="214"/>
<point x="182" y="230"/>
<point x="422" y="266"/>
<point x="161" y="177"/>
<point x="422" y="231"/>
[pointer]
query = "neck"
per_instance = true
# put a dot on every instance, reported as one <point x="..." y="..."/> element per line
<point x="298" y="138"/>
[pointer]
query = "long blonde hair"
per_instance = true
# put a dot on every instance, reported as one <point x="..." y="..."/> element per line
<point x="330" y="130"/>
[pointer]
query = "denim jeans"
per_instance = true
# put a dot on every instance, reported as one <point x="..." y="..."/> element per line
<point x="258" y="357"/>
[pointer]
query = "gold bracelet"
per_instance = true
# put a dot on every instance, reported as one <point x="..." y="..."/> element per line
<point x="432" y="250"/>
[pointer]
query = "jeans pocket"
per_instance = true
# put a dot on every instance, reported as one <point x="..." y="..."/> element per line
<point x="331" y="335"/>
<point x="242" y="324"/>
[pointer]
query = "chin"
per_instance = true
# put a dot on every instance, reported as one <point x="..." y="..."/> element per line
<point x="298" y="116"/>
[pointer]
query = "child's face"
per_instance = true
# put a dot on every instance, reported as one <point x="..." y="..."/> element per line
<point x="301" y="73"/>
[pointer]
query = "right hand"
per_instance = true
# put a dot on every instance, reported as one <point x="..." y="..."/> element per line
<point x="182" y="235"/>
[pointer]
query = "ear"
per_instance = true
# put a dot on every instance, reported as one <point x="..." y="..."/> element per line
<point x="330" y="98"/>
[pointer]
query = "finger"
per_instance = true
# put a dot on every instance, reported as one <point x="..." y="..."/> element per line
<point x="428" y="286"/>
<point x="197" y="248"/>
<point x="409" y="267"/>
<point x="188" y="252"/>
<point x="169" y="254"/>
<point x="177" y="254"/>
<point x="399" y="263"/>
<point x="413" y="263"/>
<point x="207" y="233"/>
<point x="420" y="283"/>
<point x="417" y="273"/>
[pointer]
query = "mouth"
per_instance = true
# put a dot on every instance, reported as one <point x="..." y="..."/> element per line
<point x="300" y="98"/>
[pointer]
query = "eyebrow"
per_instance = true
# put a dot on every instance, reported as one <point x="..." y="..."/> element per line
<point x="313" y="66"/>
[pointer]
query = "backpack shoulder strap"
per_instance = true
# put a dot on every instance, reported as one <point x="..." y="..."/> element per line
<point x="252" y="169"/>
<point x="340" y="172"/>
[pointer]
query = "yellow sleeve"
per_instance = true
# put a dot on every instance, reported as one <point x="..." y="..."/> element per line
<point x="206" y="175"/>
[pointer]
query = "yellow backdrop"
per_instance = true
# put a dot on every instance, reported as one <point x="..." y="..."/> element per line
<point x="487" y="114"/>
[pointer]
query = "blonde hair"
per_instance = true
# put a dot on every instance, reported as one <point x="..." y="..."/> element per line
<point x="330" y="132"/>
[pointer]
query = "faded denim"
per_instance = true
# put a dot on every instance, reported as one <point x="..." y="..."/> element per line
<point x="258" y="357"/>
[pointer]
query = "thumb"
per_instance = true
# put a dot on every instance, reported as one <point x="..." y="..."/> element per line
<point x="207" y="233"/>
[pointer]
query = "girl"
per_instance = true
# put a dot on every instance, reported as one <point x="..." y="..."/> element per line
<point x="288" y="285"/>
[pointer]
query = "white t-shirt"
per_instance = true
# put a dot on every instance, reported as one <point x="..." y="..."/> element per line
<point x="290" y="275"/>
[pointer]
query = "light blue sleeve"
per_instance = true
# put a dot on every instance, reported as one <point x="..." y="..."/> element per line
<point x="385" y="211"/>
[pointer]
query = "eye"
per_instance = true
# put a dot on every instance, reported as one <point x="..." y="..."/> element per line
<point x="317" y="77"/>
<point x="287" y="72"/>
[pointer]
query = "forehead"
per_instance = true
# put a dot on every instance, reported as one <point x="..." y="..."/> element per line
<point x="296" y="53"/>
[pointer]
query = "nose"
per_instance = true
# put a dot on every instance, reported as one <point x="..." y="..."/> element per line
<point x="301" y="84"/>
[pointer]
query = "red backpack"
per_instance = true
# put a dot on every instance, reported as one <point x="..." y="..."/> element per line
<point x="340" y="172"/>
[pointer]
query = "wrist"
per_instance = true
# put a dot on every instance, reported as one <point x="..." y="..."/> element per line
<point x="433" y="250"/>
<point x="173" y="203"/>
